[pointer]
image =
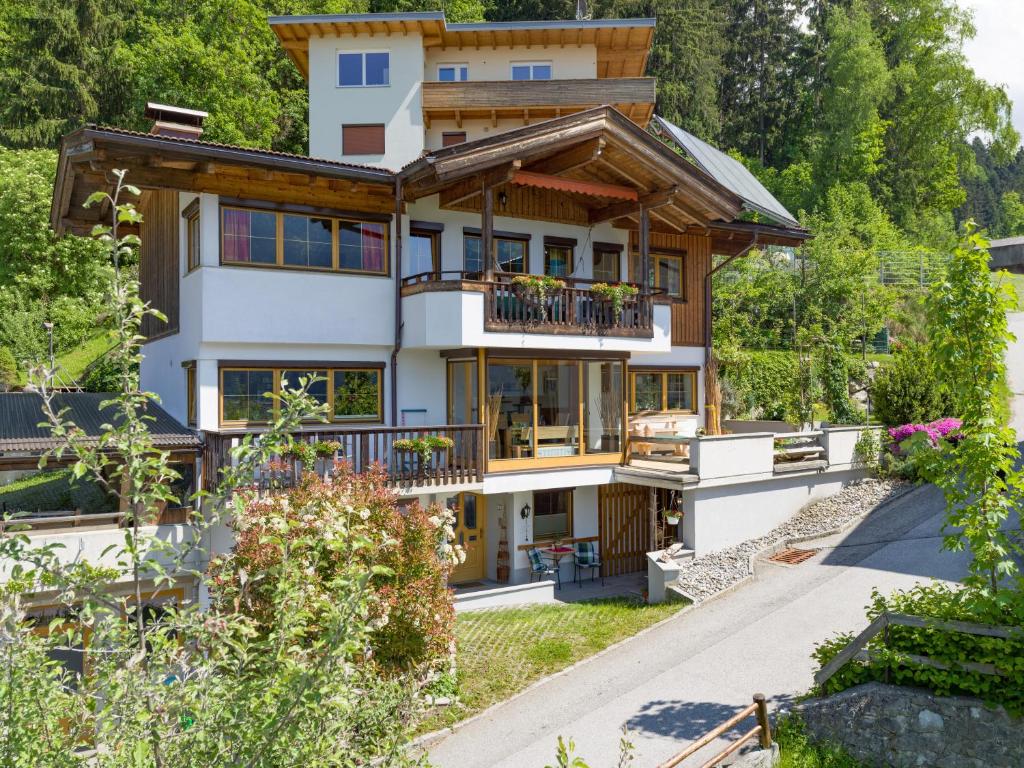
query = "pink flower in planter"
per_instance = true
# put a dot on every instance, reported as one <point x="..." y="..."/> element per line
<point x="947" y="429"/>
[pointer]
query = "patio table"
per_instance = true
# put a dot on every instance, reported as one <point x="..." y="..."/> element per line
<point x="556" y="554"/>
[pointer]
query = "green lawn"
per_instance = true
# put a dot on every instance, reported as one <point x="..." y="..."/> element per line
<point x="73" y="364"/>
<point x="54" y="491"/>
<point x="1017" y="281"/>
<point x="501" y="651"/>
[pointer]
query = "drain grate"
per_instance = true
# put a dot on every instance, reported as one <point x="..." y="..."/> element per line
<point x="792" y="556"/>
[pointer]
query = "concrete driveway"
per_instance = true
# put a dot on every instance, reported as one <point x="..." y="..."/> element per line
<point x="680" y="680"/>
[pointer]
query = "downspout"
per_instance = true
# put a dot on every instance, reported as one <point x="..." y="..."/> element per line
<point x="707" y="318"/>
<point x="398" y="301"/>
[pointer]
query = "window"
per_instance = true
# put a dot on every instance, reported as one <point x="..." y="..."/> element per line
<point x="350" y="394"/>
<point x="552" y="514"/>
<point x="192" y="235"/>
<point x="357" y="395"/>
<point x="190" y="393"/>
<point x="245" y="395"/>
<point x="451" y="138"/>
<point x="558" y="252"/>
<point x="449" y="73"/>
<point x="362" y="139"/>
<point x="285" y="239"/>
<point x="362" y="246"/>
<point x="607" y="259"/>
<point x="308" y="241"/>
<point x="363" y="69"/>
<point x="531" y="70"/>
<point x="250" y="237"/>
<point x="510" y="252"/>
<point x="668" y="390"/>
<point x="550" y="409"/>
<point x="462" y="392"/>
<point x="666" y="271"/>
<point x="424" y="251"/>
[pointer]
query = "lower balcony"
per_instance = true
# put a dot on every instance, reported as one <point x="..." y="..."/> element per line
<point x="455" y="467"/>
<point x="458" y="309"/>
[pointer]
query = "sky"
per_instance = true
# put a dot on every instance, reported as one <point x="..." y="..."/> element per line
<point x="997" y="52"/>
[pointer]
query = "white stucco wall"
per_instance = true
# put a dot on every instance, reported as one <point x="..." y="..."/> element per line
<point x="398" y="105"/>
<point x="487" y="63"/>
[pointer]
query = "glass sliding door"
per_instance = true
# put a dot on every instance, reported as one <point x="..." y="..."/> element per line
<point x="463" y="394"/>
<point x="602" y="403"/>
<point x="510" y="409"/>
<point x="558" y="408"/>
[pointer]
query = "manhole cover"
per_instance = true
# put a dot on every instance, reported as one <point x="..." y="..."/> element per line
<point x="792" y="556"/>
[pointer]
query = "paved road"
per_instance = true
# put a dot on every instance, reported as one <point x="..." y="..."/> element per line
<point x="675" y="683"/>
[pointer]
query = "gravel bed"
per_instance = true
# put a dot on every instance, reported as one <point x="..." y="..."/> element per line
<point x="709" y="574"/>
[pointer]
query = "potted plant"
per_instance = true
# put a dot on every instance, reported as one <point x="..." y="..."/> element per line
<point x="615" y="294"/>
<point x="313" y="456"/>
<point x="537" y="288"/>
<point x="423" y="449"/>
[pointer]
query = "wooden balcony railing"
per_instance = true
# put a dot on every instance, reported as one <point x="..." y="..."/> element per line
<point x="492" y="99"/>
<point x="573" y="309"/>
<point x="363" y="447"/>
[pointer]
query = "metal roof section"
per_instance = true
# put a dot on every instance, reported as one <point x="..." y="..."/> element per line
<point x="728" y="172"/>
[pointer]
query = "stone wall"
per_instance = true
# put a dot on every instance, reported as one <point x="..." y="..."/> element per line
<point x="901" y="727"/>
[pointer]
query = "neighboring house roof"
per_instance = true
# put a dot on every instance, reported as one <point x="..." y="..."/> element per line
<point x="1006" y="242"/>
<point x="729" y="172"/>
<point x="21" y="414"/>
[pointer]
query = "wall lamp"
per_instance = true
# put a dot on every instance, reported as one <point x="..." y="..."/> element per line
<point x="525" y="511"/>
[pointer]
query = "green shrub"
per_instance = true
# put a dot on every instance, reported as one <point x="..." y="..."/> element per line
<point x="908" y="390"/>
<point x="834" y="373"/>
<point x="796" y="750"/>
<point x="761" y="383"/>
<point x="949" y="603"/>
<point x="8" y="369"/>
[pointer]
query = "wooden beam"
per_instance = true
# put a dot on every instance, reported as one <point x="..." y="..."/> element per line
<point x="618" y="210"/>
<point x="574" y="158"/>
<point x="494" y="178"/>
<point x="487" y="232"/>
<point x="645" y="252"/>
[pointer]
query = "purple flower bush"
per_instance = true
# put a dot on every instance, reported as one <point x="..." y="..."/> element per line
<point x="947" y="429"/>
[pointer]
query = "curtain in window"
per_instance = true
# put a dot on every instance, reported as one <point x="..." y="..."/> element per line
<point x="237" y="230"/>
<point x="373" y="247"/>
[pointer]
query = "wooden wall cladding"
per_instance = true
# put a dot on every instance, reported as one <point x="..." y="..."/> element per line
<point x="526" y="203"/>
<point x="158" y="260"/>
<point x="688" y="314"/>
<point x="623" y="515"/>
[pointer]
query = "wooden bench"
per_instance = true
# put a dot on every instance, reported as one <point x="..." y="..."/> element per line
<point x="667" y="432"/>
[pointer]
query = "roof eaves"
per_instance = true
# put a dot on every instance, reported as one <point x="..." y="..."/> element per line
<point x="484" y="26"/>
<point x="342" y="18"/>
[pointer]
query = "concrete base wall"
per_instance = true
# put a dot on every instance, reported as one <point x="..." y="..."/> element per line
<point x="888" y="725"/>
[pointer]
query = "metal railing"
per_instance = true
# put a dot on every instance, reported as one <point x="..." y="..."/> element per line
<point x="364" y="447"/>
<point x="762" y="732"/>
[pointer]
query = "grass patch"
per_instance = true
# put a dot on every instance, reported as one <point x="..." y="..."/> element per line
<point x="1016" y="281"/>
<point x="54" y="491"/>
<point x="72" y="364"/>
<point x="797" y="751"/>
<point x="501" y="651"/>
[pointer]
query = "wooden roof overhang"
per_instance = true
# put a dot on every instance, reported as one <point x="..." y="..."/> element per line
<point x="583" y="169"/>
<point x="89" y="155"/>
<point x="731" y="238"/>
<point x="623" y="45"/>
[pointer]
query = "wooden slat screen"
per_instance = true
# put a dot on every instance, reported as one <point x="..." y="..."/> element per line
<point x="622" y="514"/>
<point x="450" y="138"/>
<point x="362" y="139"/>
<point x="158" y="260"/>
<point x="687" y="315"/>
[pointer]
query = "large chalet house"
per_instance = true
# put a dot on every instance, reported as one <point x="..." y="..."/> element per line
<point x="447" y="164"/>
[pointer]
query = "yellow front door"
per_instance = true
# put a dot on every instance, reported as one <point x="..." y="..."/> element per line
<point x="469" y="513"/>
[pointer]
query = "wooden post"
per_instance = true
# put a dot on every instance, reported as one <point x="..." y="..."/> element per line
<point x="645" y="251"/>
<point x="652" y="530"/>
<point x="487" y="233"/>
<point x="762" y="720"/>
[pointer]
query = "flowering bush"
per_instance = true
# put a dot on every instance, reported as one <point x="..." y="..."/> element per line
<point x="941" y="429"/>
<point x="408" y="553"/>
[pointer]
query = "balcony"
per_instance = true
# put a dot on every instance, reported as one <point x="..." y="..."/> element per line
<point x="536" y="99"/>
<point x="461" y="466"/>
<point x="459" y="309"/>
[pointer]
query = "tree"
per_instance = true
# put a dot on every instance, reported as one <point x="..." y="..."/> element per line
<point x="907" y="390"/>
<point x="8" y="369"/>
<point x="979" y="477"/>
<point x="1013" y="214"/>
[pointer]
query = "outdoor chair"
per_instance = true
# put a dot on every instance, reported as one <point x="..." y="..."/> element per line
<point x="586" y="556"/>
<point x="541" y="568"/>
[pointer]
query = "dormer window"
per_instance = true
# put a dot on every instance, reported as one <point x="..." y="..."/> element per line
<point x="364" y="69"/>
<point x="531" y="70"/>
<point x="450" y="73"/>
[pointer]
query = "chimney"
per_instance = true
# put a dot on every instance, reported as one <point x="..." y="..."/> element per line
<point x="175" y="122"/>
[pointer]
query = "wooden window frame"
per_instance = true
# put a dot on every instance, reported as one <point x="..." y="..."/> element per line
<point x="607" y="248"/>
<point x="193" y="236"/>
<point x="362" y="55"/>
<point x="515" y="237"/>
<point x="336" y="220"/>
<point x="374" y="153"/>
<point x="569" y="517"/>
<point x="664" y="374"/>
<point x="451" y="365"/>
<point x="656" y="259"/>
<point x="434" y="235"/>
<point x="566" y="244"/>
<point x="279" y="368"/>
<point x="191" y="399"/>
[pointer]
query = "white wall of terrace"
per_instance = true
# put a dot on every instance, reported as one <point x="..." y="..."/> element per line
<point x="486" y="63"/>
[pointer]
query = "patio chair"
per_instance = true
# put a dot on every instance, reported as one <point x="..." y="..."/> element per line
<point x="541" y="568"/>
<point x="586" y="556"/>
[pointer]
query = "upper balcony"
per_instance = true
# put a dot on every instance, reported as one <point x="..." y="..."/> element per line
<point x="495" y="100"/>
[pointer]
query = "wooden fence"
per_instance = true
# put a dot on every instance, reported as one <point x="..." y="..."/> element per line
<point x="762" y="732"/>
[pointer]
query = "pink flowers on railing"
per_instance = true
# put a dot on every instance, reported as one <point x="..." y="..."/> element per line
<point x="940" y="429"/>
